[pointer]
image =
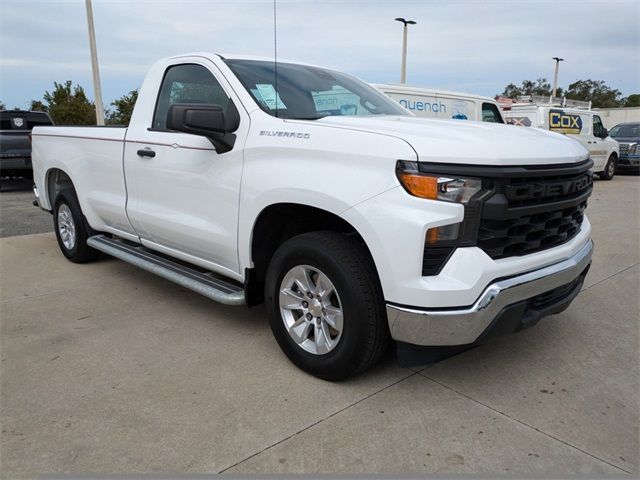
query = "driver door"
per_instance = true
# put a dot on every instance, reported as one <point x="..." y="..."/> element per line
<point x="183" y="195"/>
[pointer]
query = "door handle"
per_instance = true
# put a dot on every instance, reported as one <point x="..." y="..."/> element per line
<point x="146" y="152"/>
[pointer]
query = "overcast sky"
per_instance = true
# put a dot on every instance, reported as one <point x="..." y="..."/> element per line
<point x="466" y="45"/>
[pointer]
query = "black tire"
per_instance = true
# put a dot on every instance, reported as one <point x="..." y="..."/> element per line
<point x="609" y="169"/>
<point x="79" y="251"/>
<point x="347" y="264"/>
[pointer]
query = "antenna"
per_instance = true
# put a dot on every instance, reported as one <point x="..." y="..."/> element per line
<point x="275" y="51"/>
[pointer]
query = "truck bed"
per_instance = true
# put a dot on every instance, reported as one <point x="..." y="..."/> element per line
<point x="93" y="156"/>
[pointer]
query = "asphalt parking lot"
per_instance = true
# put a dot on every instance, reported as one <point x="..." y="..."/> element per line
<point x="108" y="369"/>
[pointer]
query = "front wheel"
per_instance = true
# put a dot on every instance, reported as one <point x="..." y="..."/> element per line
<point x="609" y="169"/>
<point x="72" y="229"/>
<point x="325" y="305"/>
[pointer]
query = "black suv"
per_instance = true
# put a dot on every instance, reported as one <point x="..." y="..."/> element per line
<point x="15" y="146"/>
<point x="628" y="136"/>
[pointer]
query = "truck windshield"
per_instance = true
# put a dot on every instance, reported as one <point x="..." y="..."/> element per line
<point x="625" y="131"/>
<point x="309" y="93"/>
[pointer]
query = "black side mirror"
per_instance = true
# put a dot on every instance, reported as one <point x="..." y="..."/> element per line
<point x="605" y="133"/>
<point x="206" y="120"/>
<point x="199" y="119"/>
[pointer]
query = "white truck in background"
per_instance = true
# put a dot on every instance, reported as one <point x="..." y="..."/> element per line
<point x="573" y="118"/>
<point x="442" y="104"/>
<point x="354" y="225"/>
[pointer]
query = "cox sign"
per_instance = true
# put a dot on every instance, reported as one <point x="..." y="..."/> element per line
<point x="562" y="122"/>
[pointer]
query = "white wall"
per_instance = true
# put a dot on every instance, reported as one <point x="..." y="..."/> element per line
<point x="613" y="116"/>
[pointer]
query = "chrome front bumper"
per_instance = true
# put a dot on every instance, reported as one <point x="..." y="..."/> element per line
<point x="463" y="326"/>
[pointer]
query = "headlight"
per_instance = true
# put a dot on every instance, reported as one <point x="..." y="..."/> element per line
<point x="469" y="192"/>
<point x="458" y="190"/>
<point x="436" y="187"/>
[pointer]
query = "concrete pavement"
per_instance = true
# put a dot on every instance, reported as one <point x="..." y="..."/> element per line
<point x="18" y="216"/>
<point x="107" y="369"/>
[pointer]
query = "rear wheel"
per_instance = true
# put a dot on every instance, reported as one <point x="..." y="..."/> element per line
<point x="72" y="229"/>
<point x="325" y="305"/>
<point x="609" y="169"/>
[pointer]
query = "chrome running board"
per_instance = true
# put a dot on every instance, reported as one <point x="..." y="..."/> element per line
<point x="205" y="283"/>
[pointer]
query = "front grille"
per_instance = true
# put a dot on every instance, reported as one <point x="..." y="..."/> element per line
<point x="522" y="192"/>
<point x="518" y="211"/>
<point x="528" y="213"/>
<point x="530" y="233"/>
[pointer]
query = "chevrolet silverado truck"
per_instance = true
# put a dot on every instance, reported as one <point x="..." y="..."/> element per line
<point x="355" y="226"/>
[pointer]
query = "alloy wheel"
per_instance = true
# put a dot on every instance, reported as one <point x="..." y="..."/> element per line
<point x="311" y="309"/>
<point x="66" y="227"/>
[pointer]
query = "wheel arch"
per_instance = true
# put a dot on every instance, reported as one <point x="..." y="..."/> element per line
<point x="56" y="180"/>
<point x="279" y="222"/>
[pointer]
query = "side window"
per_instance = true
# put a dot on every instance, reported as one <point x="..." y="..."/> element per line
<point x="187" y="83"/>
<point x="598" y="128"/>
<point x="490" y="113"/>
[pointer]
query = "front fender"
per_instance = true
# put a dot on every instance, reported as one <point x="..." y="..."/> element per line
<point x="394" y="226"/>
<point x="249" y="213"/>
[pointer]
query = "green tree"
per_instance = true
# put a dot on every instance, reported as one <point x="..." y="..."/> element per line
<point x="67" y="105"/>
<point x="124" y="108"/>
<point x="511" y="91"/>
<point x="596" y="91"/>
<point x="539" y="86"/>
<point x="2" y="106"/>
<point x="632" y="100"/>
<point x="37" y="106"/>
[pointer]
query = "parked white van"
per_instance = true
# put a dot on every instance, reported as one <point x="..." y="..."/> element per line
<point x="426" y="102"/>
<point x="572" y="118"/>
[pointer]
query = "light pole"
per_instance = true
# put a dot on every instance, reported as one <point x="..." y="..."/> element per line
<point x="403" y="70"/>
<point x="97" y="91"/>
<point x="555" y="76"/>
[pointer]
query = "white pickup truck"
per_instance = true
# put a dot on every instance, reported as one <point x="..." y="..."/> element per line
<point x="354" y="225"/>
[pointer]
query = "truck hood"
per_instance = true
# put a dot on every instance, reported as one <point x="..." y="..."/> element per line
<point x="460" y="141"/>
<point x="627" y="139"/>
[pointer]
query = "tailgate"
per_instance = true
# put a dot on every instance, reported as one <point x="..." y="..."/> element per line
<point x="14" y="144"/>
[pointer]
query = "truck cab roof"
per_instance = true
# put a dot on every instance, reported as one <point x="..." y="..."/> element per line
<point x="234" y="56"/>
